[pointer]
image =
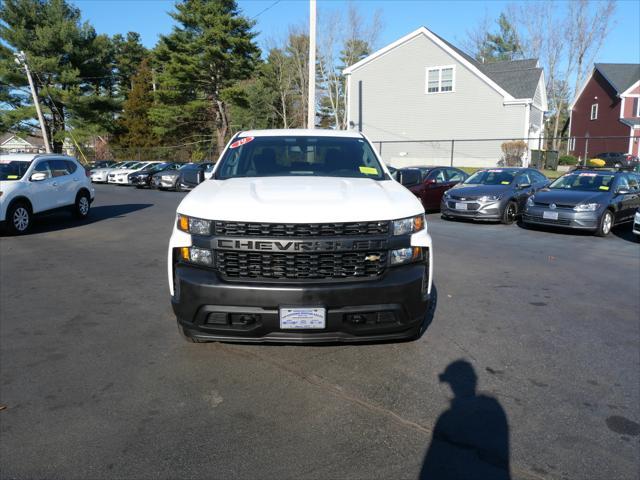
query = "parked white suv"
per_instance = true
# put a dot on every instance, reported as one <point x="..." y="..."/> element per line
<point x="300" y="236"/>
<point x="33" y="184"/>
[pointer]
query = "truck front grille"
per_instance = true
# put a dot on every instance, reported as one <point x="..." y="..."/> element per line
<point x="268" y="230"/>
<point x="300" y="266"/>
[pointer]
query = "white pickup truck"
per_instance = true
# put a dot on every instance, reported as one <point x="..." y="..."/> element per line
<point x="300" y="236"/>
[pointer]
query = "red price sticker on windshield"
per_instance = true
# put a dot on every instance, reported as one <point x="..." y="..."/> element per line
<point x="242" y="141"/>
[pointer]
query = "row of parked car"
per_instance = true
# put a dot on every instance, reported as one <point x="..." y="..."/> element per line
<point x="586" y="198"/>
<point x="154" y="174"/>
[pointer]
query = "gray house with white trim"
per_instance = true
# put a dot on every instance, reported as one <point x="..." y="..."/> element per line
<point x="421" y="87"/>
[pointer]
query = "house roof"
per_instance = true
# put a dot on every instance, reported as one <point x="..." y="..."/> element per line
<point x="517" y="79"/>
<point x="32" y="140"/>
<point x="621" y="76"/>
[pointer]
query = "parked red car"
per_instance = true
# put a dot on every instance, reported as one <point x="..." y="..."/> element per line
<point x="430" y="183"/>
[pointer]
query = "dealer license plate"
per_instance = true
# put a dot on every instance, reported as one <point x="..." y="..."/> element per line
<point x="300" y="318"/>
<point x="461" y="206"/>
<point x="550" y="215"/>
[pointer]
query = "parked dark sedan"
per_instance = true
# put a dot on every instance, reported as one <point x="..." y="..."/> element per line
<point x="430" y="183"/>
<point x="143" y="178"/>
<point x="618" y="159"/>
<point x="593" y="199"/>
<point x="194" y="174"/>
<point x="497" y="194"/>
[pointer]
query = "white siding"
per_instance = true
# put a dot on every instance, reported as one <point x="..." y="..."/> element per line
<point x="395" y="107"/>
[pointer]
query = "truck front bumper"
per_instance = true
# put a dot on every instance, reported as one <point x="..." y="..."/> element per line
<point x="392" y="307"/>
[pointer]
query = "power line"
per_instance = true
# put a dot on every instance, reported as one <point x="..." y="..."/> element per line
<point x="266" y="9"/>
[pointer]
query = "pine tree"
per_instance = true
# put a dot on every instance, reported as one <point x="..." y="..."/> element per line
<point x="134" y="122"/>
<point x="501" y="46"/>
<point x="209" y="51"/>
<point x="128" y="55"/>
<point x="71" y="65"/>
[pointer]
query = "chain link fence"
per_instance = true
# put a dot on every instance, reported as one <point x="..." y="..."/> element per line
<point x="491" y="152"/>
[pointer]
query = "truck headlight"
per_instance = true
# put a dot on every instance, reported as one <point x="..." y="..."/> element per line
<point x="409" y="225"/>
<point x="199" y="256"/>
<point x="586" y="207"/>
<point x="406" y="255"/>
<point x="530" y="202"/>
<point x="195" y="226"/>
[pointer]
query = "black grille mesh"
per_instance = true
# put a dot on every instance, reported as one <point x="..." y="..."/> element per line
<point x="300" y="266"/>
<point x="300" y="229"/>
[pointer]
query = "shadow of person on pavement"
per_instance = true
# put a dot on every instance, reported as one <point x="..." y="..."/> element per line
<point x="470" y="439"/>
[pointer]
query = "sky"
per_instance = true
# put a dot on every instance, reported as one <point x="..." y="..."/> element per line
<point x="449" y="19"/>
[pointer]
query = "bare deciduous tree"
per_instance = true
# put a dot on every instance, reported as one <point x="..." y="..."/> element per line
<point x="566" y="44"/>
<point x="344" y="40"/>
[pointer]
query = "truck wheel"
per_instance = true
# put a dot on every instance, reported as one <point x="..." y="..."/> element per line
<point x="19" y="218"/>
<point x="606" y="224"/>
<point x="510" y="213"/>
<point x="82" y="205"/>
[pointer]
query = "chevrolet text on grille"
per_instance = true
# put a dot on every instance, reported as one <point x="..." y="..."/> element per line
<point x="299" y="245"/>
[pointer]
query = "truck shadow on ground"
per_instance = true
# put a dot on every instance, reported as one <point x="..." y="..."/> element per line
<point x="470" y="439"/>
<point x="63" y="220"/>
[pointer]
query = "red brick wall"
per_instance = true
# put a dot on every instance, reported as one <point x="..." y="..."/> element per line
<point x="607" y="124"/>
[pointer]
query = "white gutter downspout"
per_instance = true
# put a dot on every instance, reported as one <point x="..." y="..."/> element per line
<point x="348" y="101"/>
<point x="527" y="112"/>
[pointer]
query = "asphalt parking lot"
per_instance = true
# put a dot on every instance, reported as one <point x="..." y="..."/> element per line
<point x="97" y="382"/>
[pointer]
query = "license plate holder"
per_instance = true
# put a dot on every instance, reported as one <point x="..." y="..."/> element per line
<point x="461" y="206"/>
<point x="550" y="215"/>
<point x="302" y="318"/>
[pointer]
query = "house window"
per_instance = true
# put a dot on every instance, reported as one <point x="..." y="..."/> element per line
<point x="636" y="106"/>
<point x="440" y="79"/>
<point x="572" y="144"/>
<point x="594" y="111"/>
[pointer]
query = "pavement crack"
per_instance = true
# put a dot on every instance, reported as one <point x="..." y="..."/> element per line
<point x="334" y="389"/>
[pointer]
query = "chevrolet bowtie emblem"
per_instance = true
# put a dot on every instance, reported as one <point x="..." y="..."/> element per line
<point x="372" y="258"/>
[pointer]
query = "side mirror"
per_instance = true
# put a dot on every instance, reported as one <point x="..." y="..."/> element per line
<point x="409" y="177"/>
<point x="524" y="185"/>
<point x="430" y="181"/>
<point x="623" y="191"/>
<point x="38" y="177"/>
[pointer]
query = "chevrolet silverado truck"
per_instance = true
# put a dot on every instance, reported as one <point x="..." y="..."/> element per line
<point x="300" y="236"/>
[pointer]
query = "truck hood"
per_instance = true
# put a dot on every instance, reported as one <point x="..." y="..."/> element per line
<point x="300" y="200"/>
<point x="570" y="197"/>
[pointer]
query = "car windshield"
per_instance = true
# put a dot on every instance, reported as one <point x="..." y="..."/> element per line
<point x="495" y="176"/>
<point x="586" y="181"/>
<point x="13" y="170"/>
<point x="299" y="156"/>
<point x="157" y="167"/>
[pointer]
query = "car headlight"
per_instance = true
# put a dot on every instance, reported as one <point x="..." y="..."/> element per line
<point x="406" y="255"/>
<point x="530" y="202"/>
<point x="586" y="207"/>
<point x="195" y="226"/>
<point x="200" y="256"/>
<point x="409" y="225"/>
<point x="490" y="198"/>
<point x="446" y="194"/>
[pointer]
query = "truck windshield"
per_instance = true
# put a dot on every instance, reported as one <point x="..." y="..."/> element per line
<point x="13" y="170"/>
<point x="280" y="156"/>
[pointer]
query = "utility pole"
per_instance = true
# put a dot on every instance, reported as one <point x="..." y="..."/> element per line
<point x="311" y="114"/>
<point x="21" y="59"/>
